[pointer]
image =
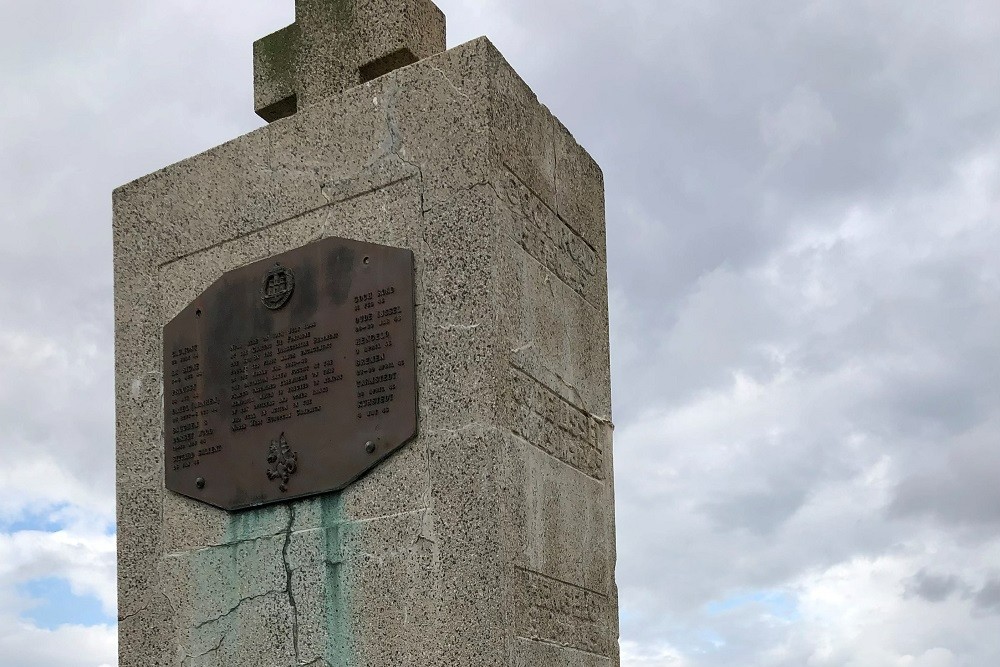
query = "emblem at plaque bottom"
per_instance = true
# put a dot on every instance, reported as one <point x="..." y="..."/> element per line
<point x="277" y="287"/>
<point x="284" y="462"/>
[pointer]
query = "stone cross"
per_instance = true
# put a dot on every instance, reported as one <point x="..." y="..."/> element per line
<point x="338" y="44"/>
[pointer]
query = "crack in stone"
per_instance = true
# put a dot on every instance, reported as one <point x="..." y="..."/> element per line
<point x="215" y="649"/>
<point x="426" y="532"/>
<point x="224" y="545"/>
<point x="458" y="327"/>
<point x="128" y="617"/>
<point x="288" y="582"/>
<point x="450" y="82"/>
<point x="174" y="618"/>
<point x="575" y="392"/>
<point x="318" y="661"/>
<point x="380" y="517"/>
<point x="396" y="142"/>
<point x="239" y="604"/>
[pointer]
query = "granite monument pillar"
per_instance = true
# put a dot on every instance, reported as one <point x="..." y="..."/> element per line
<point x="487" y="538"/>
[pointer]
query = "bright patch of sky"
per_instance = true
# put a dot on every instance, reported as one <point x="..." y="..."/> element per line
<point x="51" y="603"/>
<point x="780" y="605"/>
<point x="49" y="520"/>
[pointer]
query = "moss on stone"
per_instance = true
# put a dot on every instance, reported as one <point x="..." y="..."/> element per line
<point x="338" y="643"/>
<point x="277" y="54"/>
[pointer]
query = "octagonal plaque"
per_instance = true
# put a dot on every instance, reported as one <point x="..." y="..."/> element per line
<point x="291" y="376"/>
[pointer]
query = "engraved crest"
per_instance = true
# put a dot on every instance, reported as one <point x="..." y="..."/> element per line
<point x="283" y="462"/>
<point x="277" y="287"/>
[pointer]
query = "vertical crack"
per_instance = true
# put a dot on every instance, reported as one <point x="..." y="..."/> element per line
<point x="396" y="140"/>
<point x="288" y="582"/>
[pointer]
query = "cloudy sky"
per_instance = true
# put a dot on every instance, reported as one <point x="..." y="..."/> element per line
<point x="804" y="256"/>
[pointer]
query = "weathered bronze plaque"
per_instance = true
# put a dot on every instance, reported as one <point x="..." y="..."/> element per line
<point x="291" y="376"/>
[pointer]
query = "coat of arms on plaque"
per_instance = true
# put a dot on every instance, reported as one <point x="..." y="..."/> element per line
<point x="284" y="462"/>
<point x="277" y="288"/>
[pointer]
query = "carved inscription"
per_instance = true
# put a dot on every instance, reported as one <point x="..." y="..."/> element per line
<point x="555" y="612"/>
<point x="328" y="371"/>
<point x="556" y="427"/>
<point x="552" y="242"/>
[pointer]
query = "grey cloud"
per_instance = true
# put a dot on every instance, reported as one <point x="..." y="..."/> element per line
<point x="699" y="208"/>
<point x="762" y="512"/>
<point x="988" y="597"/>
<point x="97" y="105"/>
<point x="962" y="491"/>
<point x="934" y="587"/>
<point x="687" y="190"/>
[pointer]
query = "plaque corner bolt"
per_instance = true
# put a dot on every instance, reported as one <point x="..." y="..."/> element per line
<point x="370" y="447"/>
<point x="200" y="482"/>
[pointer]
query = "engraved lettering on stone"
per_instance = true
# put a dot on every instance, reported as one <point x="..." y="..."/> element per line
<point x="552" y="242"/>
<point x="556" y="612"/>
<point x="277" y="287"/>
<point x="557" y="427"/>
<point x="283" y="462"/>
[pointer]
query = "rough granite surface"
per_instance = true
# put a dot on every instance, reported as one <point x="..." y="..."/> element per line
<point x="489" y="539"/>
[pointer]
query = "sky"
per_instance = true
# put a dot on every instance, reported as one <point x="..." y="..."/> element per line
<point x="803" y="202"/>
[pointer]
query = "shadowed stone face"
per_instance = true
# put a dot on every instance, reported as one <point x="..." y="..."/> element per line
<point x="337" y="44"/>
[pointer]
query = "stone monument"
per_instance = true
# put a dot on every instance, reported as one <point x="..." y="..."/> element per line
<point x="448" y="501"/>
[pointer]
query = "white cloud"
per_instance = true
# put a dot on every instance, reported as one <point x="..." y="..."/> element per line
<point x="85" y="559"/>
<point x="816" y="408"/>
<point x="634" y="654"/>
<point x="799" y="122"/>
<point x="67" y="646"/>
<point x="853" y="614"/>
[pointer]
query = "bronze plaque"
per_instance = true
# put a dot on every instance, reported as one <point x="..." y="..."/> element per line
<point x="291" y="376"/>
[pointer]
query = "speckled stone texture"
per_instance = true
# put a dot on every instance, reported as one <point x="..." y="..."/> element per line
<point x="489" y="539"/>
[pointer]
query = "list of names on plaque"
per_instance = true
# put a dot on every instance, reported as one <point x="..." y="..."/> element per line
<point x="188" y="419"/>
<point x="376" y="363"/>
